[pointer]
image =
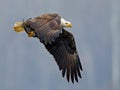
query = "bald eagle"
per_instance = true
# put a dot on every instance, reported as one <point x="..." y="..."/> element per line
<point x="50" y="30"/>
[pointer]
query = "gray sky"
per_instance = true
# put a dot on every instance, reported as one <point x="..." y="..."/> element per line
<point x="26" y="65"/>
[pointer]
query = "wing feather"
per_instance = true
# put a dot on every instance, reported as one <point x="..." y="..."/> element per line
<point x="64" y="51"/>
<point x="68" y="71"/>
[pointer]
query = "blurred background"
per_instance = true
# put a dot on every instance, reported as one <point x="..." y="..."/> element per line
<point x="26" y="65"/>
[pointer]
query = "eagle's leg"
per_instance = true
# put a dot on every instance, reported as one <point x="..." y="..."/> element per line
<point x="18" y="27"/>
<point x="31" y="34"/>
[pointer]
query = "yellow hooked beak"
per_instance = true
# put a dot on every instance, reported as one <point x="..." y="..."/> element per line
<point x="69" y="25"/>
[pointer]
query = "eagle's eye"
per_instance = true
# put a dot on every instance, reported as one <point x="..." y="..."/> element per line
<point x="66" y="23"/>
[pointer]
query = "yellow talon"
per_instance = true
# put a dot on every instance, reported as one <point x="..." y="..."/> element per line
<point x="31" y="34"/>
<point x="18" y="27"/>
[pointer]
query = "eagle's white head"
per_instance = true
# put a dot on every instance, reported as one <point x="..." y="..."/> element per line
<point x="65" y="23"/>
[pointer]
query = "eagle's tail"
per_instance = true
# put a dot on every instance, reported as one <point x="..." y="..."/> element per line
<point x="18" y="27"/>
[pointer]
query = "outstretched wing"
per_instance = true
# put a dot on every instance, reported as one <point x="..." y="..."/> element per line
<point x="66" y="56"/>
<point x="47" y="27"/>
